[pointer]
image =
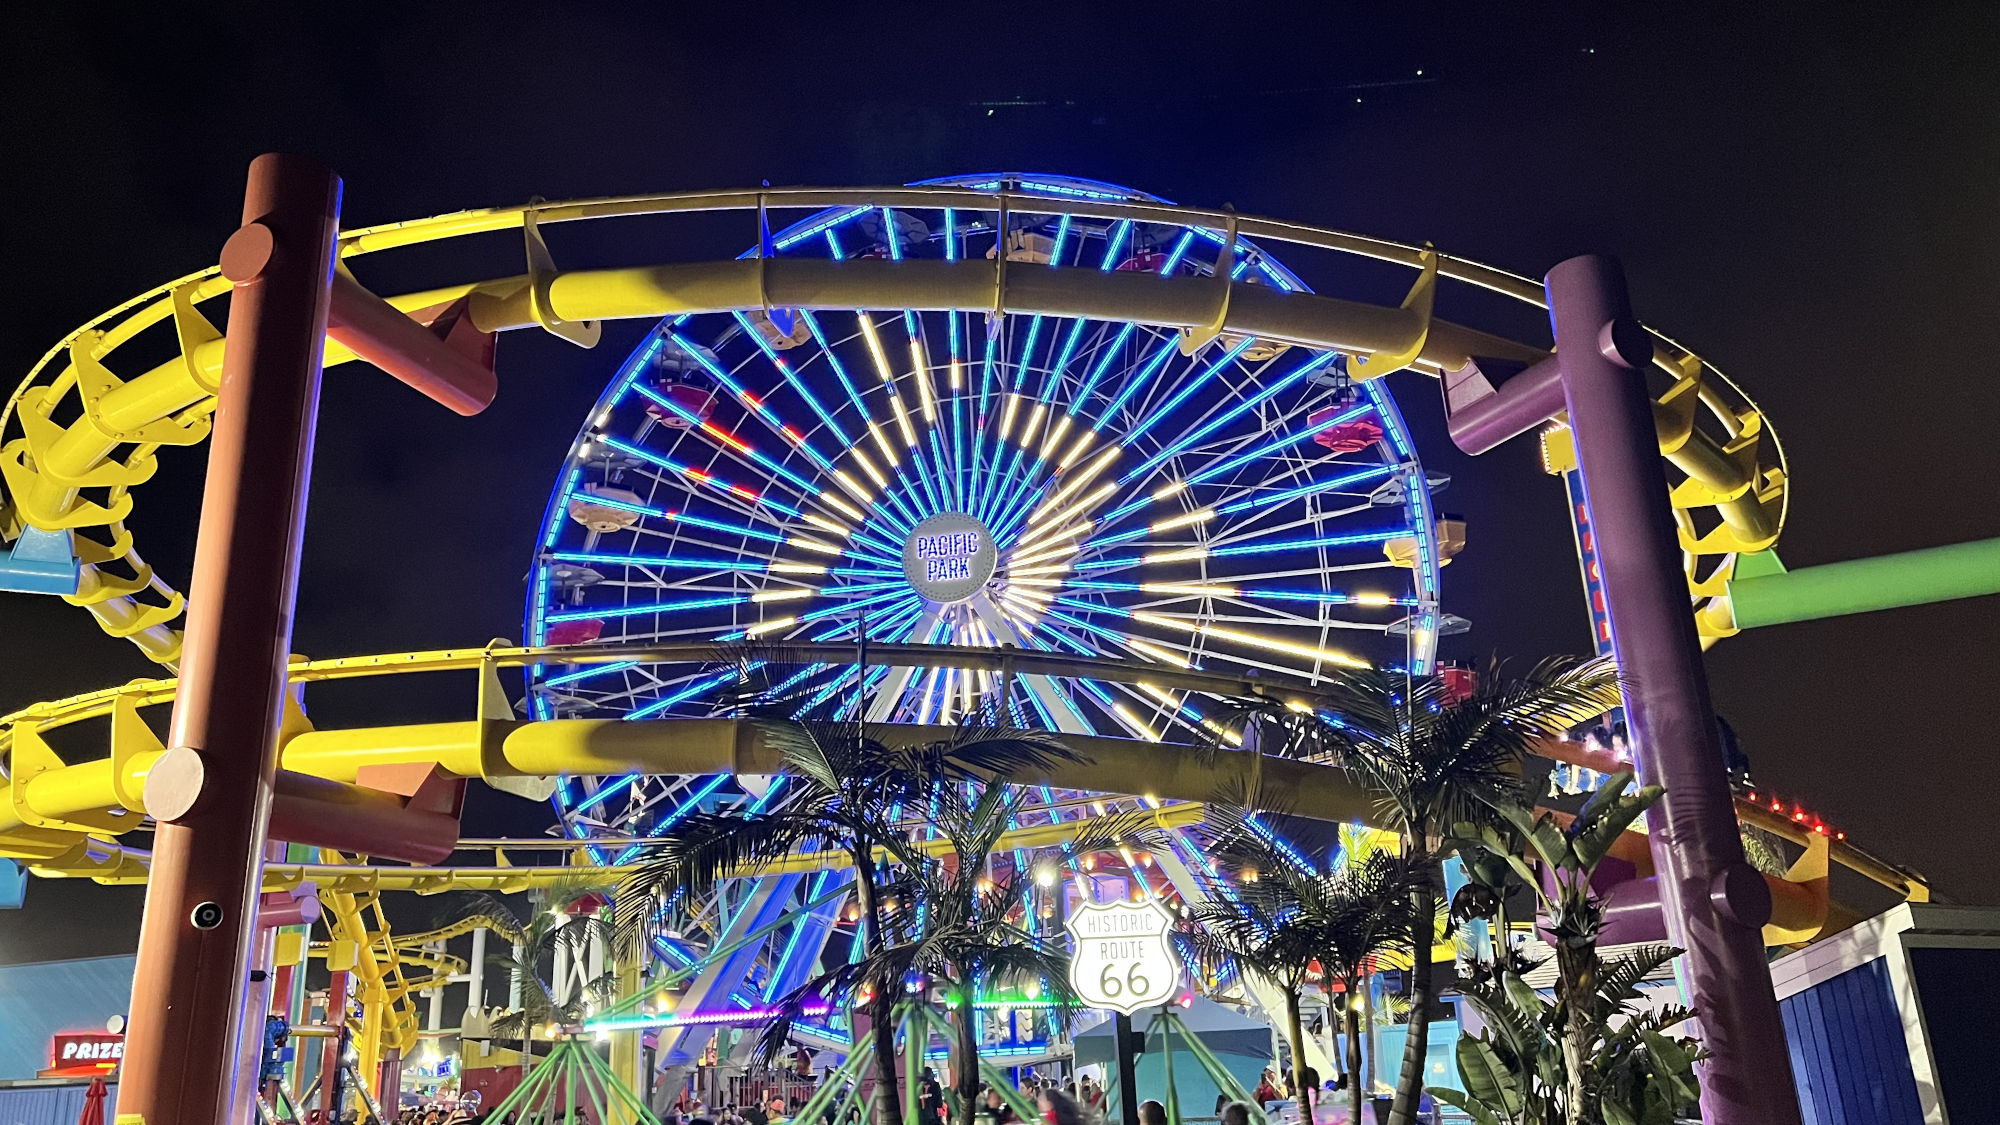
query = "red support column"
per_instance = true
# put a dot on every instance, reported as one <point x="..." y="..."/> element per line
<point x="329" y="1056"/>
<point x="191" y="983"/>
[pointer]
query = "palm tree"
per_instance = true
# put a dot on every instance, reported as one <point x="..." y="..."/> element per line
<point x="954" y="926"/>
<point x="1441" y="760"/>
<point x="555" y="925"/>
<point x="847" y="792"/>
<point x="1366" y="909"/>
<point x="1262" y="927"/>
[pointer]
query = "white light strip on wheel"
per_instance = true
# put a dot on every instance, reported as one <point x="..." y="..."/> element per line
<point x="1083" y="441"/>
<point x="855" y="487"/>
<point x="1084" y="505"/>
<point x="925" y="396"/>
<point x="815" y="545"/>
<point x="1007" y="415"/>
<point x="1157" y="652"/>
<point x="868" y="466"/>
<point x="888" y="450"/>
<point x="875" y="348"/>
<point x="1060" y="532"/>
<point x="833" y="500"/>
<point x="1310" y="652"/>
<point x="1055" y="437"/>
<point x="795" y="568"/>
<point x="772" y="626"/>
<point x="1034" y="422"/>
<point x="825" y="524"/>
<point x="1135" y="722"/>
<point x="1050" y="551"/>
<point x="1103" y="459"/>
<point x="1199" y="515"/>
<point x="784" y="595"/>
<point x="902" y="418"/>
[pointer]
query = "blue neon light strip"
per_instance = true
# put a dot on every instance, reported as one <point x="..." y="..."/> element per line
<point x="702" y="476"/>
<point x="726" y="528"/>
<point x="681" y="810"/>
<point x="1260" y="500"/>
<point x="656" y="607"/>
<point x="1316" y="363"/>
<point x="1308" y="544"/>
<point x="791" y="379"/>
<point x="1190" y="386"/>
<point x="1097" y="370"/>
<point x="1114" y="242"/>
<point x="1138" y="379"/>
<point x="799" y="234"/>
<point x="587" y="672"/>
<point x="686" y="693"/>
<point x="1231" y="591"/>
<point x="663" y="562"/>
<point x="604" y="792"/>
<point x="756" y="404"/>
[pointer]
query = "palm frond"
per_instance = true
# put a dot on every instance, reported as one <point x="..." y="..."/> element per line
<point x="1619" y="979"/>
<point x="703" y="849"/>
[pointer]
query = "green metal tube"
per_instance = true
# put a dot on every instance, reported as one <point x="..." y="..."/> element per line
<point x="1935" y="574"/>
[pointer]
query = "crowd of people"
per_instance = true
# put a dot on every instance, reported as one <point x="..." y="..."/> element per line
<point x="1056" y="1100"/>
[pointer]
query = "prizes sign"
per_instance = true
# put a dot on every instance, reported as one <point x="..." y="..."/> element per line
<point x="1124" y="960"/>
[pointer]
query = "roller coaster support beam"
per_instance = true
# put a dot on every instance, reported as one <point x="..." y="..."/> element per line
<point x="440" y="353"/>
<point x="192" y="977"/>
<point x="1481" y="418"/>
<point x="1765" y="593"/>
<point x="1714" y="902"/>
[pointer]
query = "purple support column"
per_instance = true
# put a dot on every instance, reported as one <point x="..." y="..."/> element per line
<point x="1714" y="902"/>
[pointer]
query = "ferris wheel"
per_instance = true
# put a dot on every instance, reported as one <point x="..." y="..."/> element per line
<point x="931" y="476"/>
<point x="1046" y="482"/>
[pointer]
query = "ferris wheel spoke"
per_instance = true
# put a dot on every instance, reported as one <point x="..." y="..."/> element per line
<point x="1221" y="414"/>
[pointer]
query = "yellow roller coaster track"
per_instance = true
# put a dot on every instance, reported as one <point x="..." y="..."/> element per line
<point x="58" y="814"/>
<point x="76" y="439"/>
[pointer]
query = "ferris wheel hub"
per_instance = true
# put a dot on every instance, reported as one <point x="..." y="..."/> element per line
<point x="949" y="557"/>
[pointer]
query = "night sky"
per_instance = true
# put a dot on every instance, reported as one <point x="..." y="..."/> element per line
<point x="1805" y="198"/>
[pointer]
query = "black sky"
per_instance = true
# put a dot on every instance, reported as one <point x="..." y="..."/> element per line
<point x="1805" y="194"/>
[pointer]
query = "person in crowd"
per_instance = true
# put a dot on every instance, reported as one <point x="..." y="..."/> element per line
<point x="1152" y="1112"/>
<point x="930" y="1099"/>
<point x="1058" y="1108"/>
<point x="1093" y="1096"/>
<point x="774" y="1110"/>
<point x="1236" y="1113"/>
<point x="754" y="1114"/>
<point x="1267" y="1091"/>
<point x="997" y="1108"/>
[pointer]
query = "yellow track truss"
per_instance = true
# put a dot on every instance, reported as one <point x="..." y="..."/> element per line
<point x="77" y="437"/>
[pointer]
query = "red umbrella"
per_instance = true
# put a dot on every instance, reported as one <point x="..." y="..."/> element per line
<point x="93" y="1103"/>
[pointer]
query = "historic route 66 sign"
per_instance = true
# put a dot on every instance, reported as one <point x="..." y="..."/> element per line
<point x="1124" y="959"/>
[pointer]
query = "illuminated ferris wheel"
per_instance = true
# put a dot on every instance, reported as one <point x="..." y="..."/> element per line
<point x="927" y="475"/>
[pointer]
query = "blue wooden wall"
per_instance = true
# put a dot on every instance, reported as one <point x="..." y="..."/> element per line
<point x="1849" y="1058"/>
<point x="38" y="1000"/>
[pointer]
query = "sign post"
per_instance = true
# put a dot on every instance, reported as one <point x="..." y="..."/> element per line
<point x="1124" y="961"/>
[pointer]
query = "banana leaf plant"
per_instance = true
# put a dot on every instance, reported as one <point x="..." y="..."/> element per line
<point x="1592" y="1054"/>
